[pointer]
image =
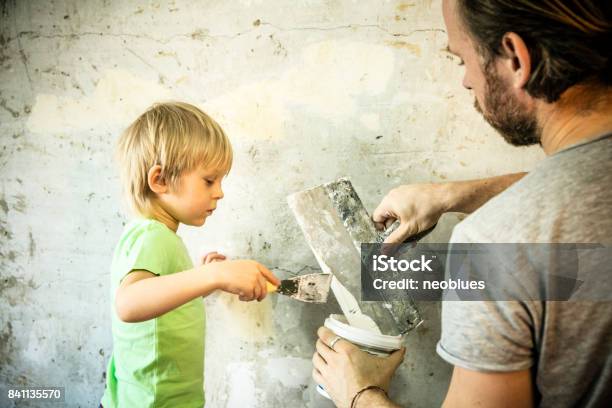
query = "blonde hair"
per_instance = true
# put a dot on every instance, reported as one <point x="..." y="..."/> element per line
<point x="178" y="137"/>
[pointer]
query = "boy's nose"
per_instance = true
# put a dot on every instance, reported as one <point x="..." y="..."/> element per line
<point x="219" y="193"/>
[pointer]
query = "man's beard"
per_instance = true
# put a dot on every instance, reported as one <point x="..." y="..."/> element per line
<point x="505" y="113"/>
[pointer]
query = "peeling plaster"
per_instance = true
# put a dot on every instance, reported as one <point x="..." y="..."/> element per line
<point x="370" y="120"/>
<point x="248" y="321"/>
<point x="119" y="97"/>
<point x="291" y="372"/>
<point x="240" y="388"/>
<point x="328" y="79"/>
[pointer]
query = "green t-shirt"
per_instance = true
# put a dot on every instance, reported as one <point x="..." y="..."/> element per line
<point x="159" y="362"/>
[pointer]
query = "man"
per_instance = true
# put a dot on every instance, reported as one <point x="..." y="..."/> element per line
<point x="541" y="73"/>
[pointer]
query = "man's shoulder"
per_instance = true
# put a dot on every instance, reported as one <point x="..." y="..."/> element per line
<point x="553" y="203"/>
<point x="502" y="217"/>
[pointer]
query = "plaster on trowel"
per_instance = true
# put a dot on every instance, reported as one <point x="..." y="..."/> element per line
<point x="350" y="308"/>
<point x="335" y="224"/>
<point x="311" y="288"/>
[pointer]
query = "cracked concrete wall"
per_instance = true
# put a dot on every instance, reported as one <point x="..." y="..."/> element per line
<point x="308" y="91"/>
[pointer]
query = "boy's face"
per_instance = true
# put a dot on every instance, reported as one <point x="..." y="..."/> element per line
<point x="195" y="196"/>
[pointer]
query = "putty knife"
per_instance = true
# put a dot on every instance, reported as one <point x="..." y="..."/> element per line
<point x="311" y="288"/>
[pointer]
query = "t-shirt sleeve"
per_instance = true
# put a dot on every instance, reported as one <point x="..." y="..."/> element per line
<point x="486" y="335"/>
<point x="149" y="250"/>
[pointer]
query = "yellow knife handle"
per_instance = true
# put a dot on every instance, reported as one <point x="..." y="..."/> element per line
<point x="271" y="287"/>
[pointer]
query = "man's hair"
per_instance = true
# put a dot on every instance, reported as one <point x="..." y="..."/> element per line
<point x="568" y="40"/>
<point x="175" y="135"/>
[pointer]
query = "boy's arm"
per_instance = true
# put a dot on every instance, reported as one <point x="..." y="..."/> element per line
<point x="143" y="295"/>
<point x="420" y="206"/>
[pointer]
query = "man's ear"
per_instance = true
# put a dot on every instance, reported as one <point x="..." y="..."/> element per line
<point x="156" y="182"/>
<point x="518" y="60"/>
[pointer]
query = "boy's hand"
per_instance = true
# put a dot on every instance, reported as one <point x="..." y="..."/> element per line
<point x="212" y="257"/>
<point x="245" y="278"/>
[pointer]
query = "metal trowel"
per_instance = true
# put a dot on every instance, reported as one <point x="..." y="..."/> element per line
<point x="311" y="288"/>
<point x="335" y="224"/>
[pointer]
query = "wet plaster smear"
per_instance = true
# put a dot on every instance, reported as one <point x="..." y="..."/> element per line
<point x="308" y="92"/>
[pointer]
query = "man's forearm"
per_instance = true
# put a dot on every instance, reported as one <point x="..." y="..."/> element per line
<point x="375" y="398"/>
<point x="152" y="297"/>
<point x="468" y="196"/>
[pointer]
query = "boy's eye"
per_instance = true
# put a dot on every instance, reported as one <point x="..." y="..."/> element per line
<point x="209" y="182"/>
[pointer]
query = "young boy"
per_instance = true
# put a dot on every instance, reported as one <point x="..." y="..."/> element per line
<point x="172" y="160"/>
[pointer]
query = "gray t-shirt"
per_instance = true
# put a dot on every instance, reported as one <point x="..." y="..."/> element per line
<point x="567" y="198"/>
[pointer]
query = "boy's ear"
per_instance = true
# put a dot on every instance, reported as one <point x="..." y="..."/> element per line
<point x="156" y="182"/>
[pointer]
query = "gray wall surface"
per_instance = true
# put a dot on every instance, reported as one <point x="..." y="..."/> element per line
<point x="308" y="91"/>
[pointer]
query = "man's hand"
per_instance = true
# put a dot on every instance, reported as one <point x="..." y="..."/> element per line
<point x="418" y="207"/>
<point x="345" y="369"/>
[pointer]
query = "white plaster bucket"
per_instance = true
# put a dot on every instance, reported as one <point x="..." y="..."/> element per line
<point x="373" y="343"/>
